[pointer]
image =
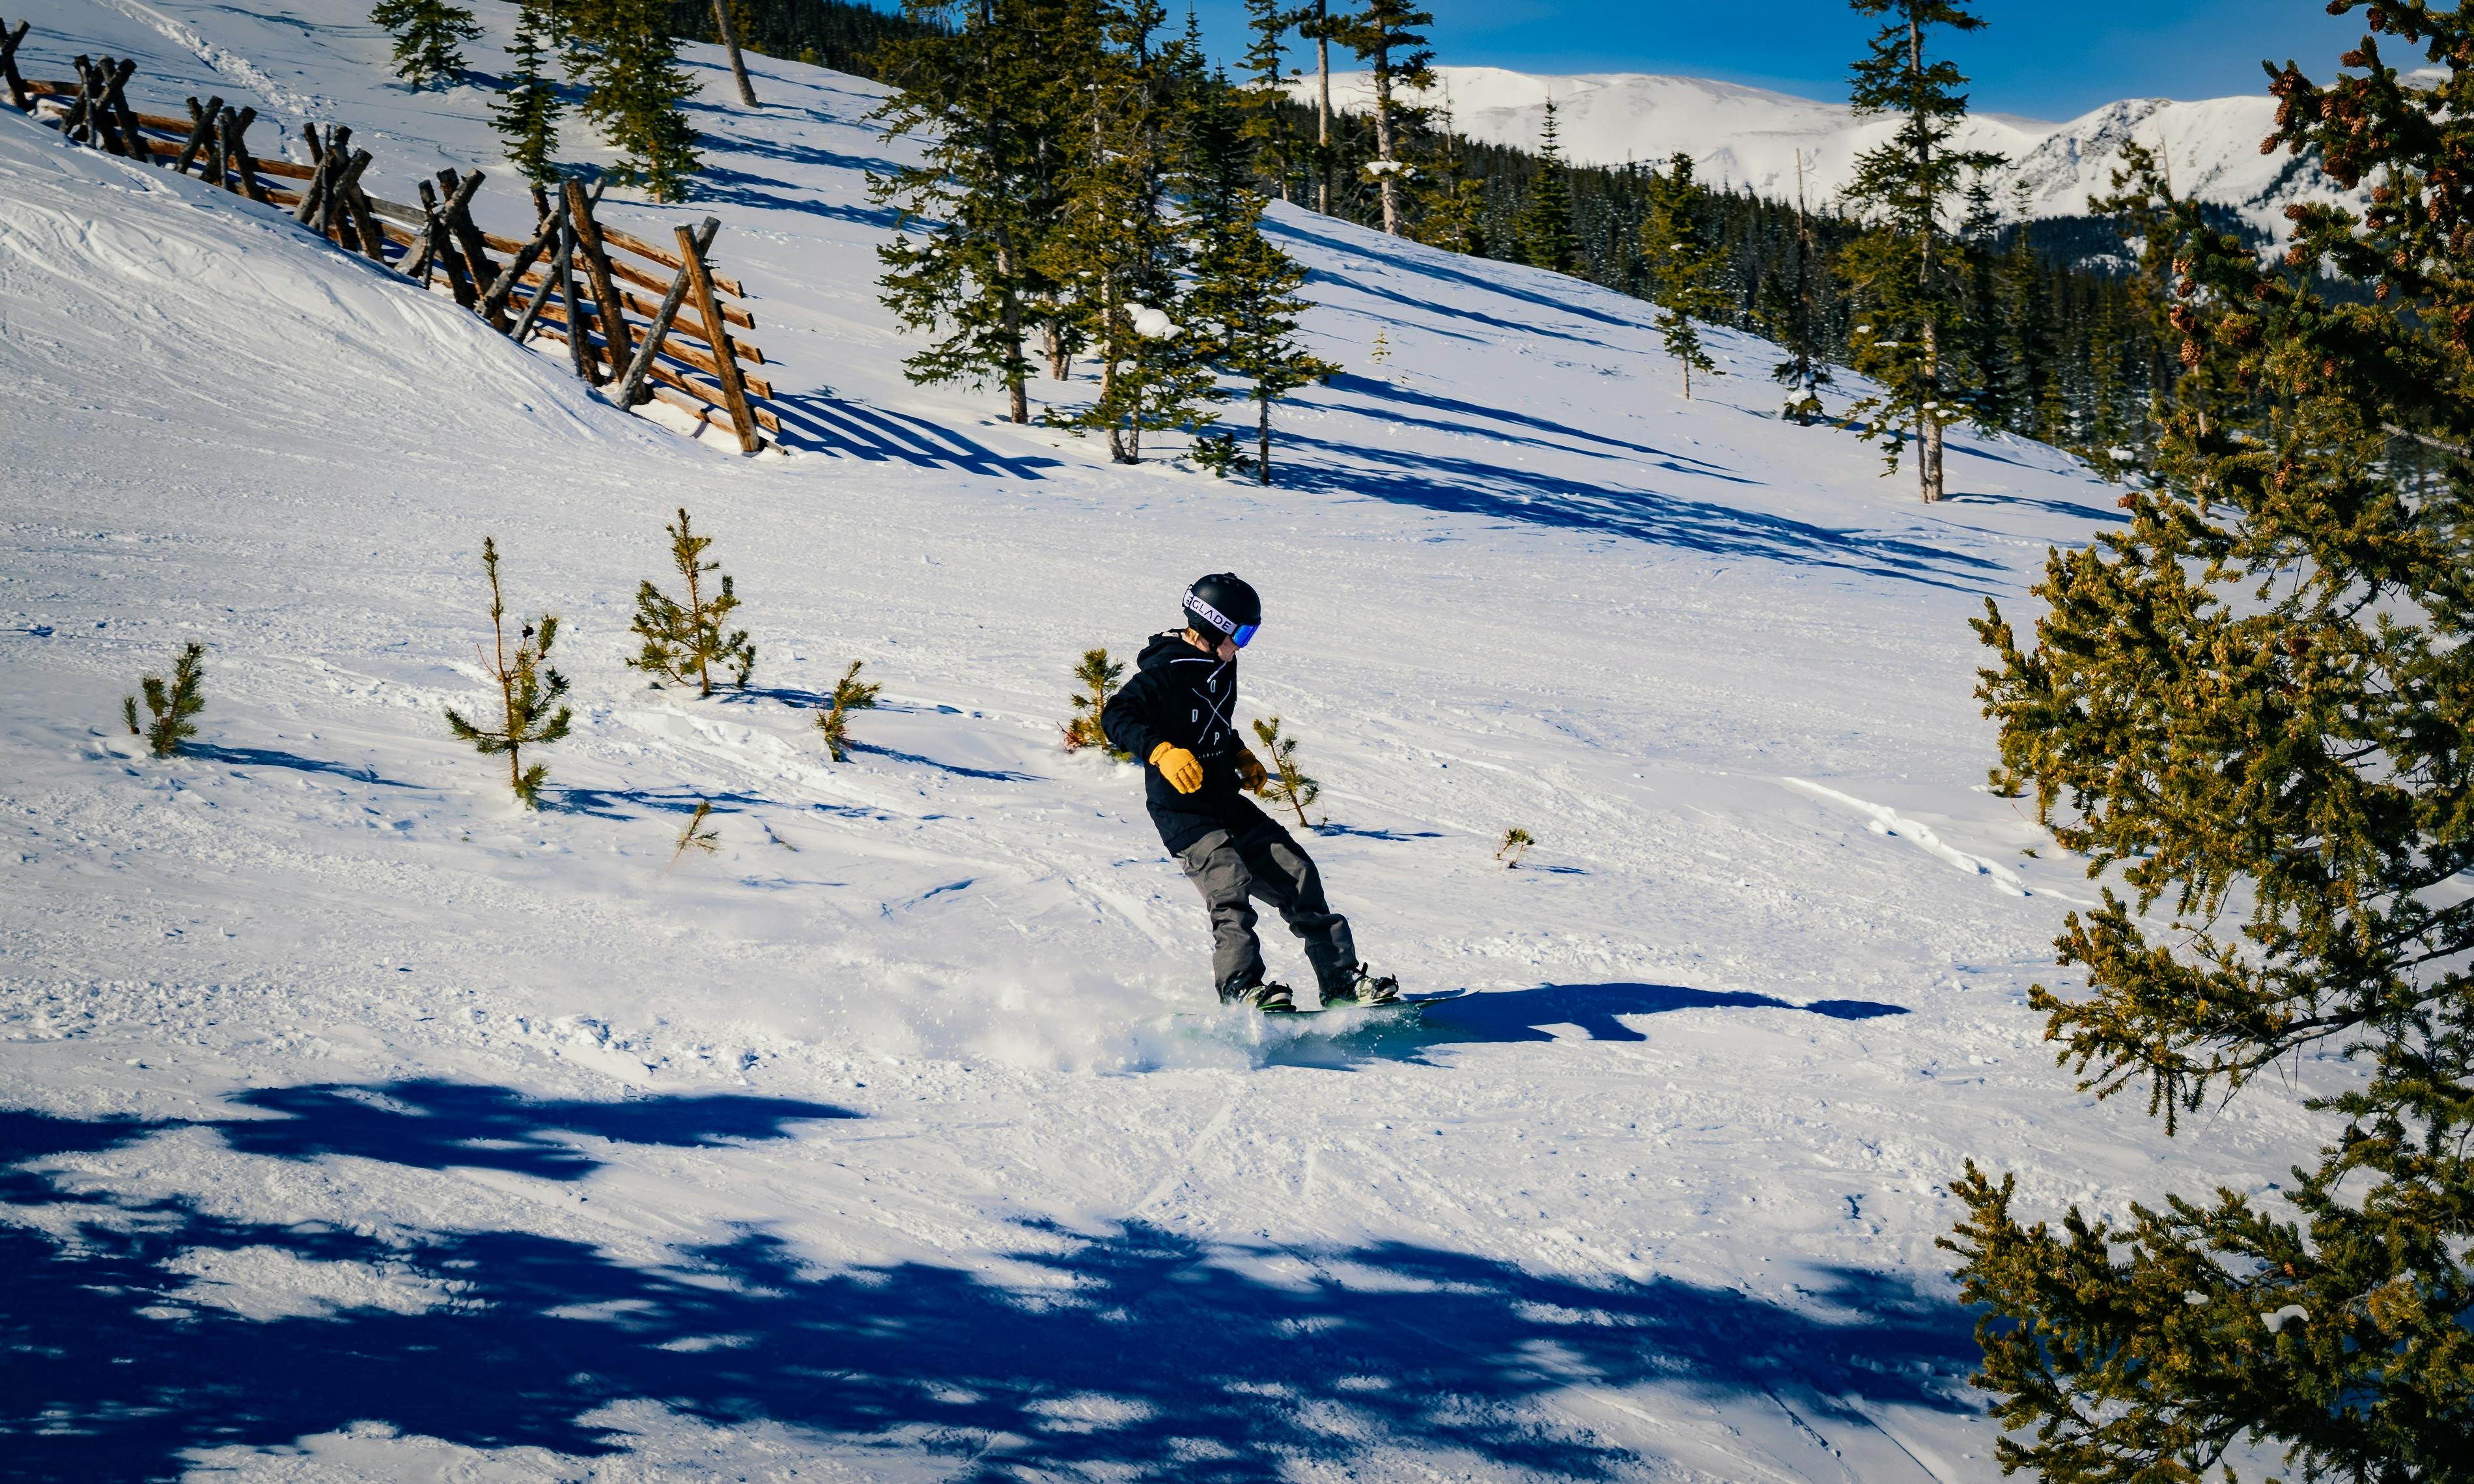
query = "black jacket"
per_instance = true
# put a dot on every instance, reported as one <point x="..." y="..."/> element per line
<point x="1180" y="694"/>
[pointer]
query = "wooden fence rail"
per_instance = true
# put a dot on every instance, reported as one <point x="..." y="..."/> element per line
<point x="564" y="285"/>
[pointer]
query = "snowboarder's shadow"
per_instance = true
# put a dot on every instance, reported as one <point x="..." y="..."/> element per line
<point x="1494" y="1017"/>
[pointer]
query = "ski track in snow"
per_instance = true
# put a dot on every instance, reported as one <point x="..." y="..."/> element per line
<point x="358" y="1125"/>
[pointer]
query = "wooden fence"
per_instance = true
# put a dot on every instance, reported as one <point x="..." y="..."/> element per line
<point x="572" y="283"/>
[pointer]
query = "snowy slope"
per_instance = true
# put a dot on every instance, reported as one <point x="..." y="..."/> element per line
<point x="1749" y="137"/>
<point x="357" y="1125"/>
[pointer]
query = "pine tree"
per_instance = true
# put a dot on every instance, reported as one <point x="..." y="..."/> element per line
<point x="1275" y="149"/>
<point x="1516" y="844"/>
<point x="1790" y="313"/>
<point x="1905" y="271"/>
<point x="527" y="111"/>
<point x="1682" y="267"/>
<point x="169" y="706"/>
<point x="1450" y="200"/>
<point x="2016" y="392"/>
<point x="1288" y="782"/>
<point x="1099" y="675"/>
<point x="850" y="694"/>
<point x="1544" y="227"/>
<point x="1385" y="36"/>
<point x="428" y="37"/>
<point x="624" y="54"/>
<point x="1117" y="246"/>
<point x="684" y="641"/>
<point x="991" y="103"/>
<point x="2252" y="701"/>
<point x="528" y="690"/>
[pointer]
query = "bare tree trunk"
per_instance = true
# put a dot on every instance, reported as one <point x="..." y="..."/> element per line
<point x="1929" y="406"/>
<point x="1323" y="107"/>
<point x="1262" y="438"/>
<point x="1391" y="186"/>
<point x="729" y="43"/>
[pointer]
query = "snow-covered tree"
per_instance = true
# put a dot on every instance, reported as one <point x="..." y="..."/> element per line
<point x="530" y="712"/>
<point x="686" y="642"/>
<point x="1387" y="37"/>
<point x="429" y="37"/>
<point x="1684" y="266"/>
<point x="1907" y="272"/>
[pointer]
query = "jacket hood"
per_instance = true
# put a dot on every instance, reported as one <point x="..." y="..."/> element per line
<point x="1166" y="649"/>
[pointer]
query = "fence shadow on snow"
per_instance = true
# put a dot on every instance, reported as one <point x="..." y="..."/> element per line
<point x="1148" y="1358"/>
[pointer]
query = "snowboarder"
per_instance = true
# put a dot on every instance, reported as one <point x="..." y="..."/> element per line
<point x="1180" y="716"/>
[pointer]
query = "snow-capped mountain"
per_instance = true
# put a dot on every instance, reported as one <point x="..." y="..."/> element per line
<point x="1751" y="137"/>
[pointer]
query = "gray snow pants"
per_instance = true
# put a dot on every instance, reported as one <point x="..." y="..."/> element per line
<point x="1263" y="862"/>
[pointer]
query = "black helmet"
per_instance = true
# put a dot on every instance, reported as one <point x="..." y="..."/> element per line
<point x="1223" y="607"/>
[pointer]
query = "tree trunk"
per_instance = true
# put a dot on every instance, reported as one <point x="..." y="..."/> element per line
<point x="729" y="43"/>
<point x="1323" y="107"/>
<point x="1262" y="437"/>
<point x="1391" y="185"/>
<point x="1017" y="395"/>
<point x="1928" y="402"/>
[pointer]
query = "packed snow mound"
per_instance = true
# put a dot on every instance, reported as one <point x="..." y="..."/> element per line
<point x="1751" y="138"/>
<point x="900" y="1137"/>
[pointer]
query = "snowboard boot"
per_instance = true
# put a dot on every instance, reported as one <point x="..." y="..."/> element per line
<point x="1362" y="987"/>
<point x="1269" y="998"/>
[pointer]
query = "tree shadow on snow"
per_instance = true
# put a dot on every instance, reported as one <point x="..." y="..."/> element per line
<point x="821" y="423"/>
<point x="267" y="757"/>
<point x="1144" y="1355"/>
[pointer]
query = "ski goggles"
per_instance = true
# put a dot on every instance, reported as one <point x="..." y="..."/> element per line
<point x="1239" y="634"/>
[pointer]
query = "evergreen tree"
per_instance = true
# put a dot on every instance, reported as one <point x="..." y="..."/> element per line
<point x="1099" y="675"/>
<point x="1905" y="270"/>
<point x="1243" y="301"/>
<point x="1544" y="227"/>
<point x="527" y="111"/>
<point x="1790" y="313"/>
<point x="628" y="59"/>
<point x="529" y="708"/>
<point x="1117" y="247"/>
<point x="169" y="705"/>
<point x="429" y="37"/>
<point x="1274" y="144"/>
<point x="686" y="642"/>
<point x="1385" y="36"/>
<point x="988" y="101"/>
<point x="2015" y="392"/>
<point x="1682" y="267"/>
<point x="1450" y="200"/>
<point x="850" y="694"/>
<point x="1288" y="782"/>
<point x="2253" y="702"/>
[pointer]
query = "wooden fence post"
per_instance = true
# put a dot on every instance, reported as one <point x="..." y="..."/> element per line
<point x="326" y="157"/>
<point x="201" y="128"/>
<point x="551" y="276"/>
<point x="632" y="390"/>
<point x="442" y="250"/>
<point x="73" y="122"/>
<point x="237" y="152"/>
<point x="468" y="237"/>
<point x="616" y="349"/>
<point x="18" y="98"/>
<point x="365" y="223"/>
<point x="725" y="355"/>
<point x="494" y="304"/>
<point x="116" y="100"/>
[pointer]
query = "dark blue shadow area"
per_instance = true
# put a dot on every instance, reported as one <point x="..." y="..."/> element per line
<point x="1462" y="411"/>
<point x="629" y="803"/>
<point x="264" y="756"/>
<point x="2062" y="507"/>
<point x="959" y="770"/>
<point x="1354" y="833"/>
<point x="1279" y="228"/>
<point x="437" y="1126"/>
<point x="721" y="184"/>
<point x="820" y="422"/>
<point x="1464" y="486"/>
<point x="1517" y="1014"/>
<point x="110" y="1366"/>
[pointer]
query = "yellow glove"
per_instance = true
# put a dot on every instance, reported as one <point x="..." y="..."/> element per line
<point x="1179" y="767"/>
<point x="1250" y="770"/>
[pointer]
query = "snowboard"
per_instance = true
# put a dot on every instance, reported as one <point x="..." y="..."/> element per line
<point x="1331" y="1019"/>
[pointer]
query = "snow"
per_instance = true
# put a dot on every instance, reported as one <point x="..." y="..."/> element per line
<point x="360" y="1125"/>
<point x="1750" y="138"/>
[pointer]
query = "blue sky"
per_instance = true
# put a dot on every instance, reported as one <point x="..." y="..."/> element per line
<point x="2046" y="58"/>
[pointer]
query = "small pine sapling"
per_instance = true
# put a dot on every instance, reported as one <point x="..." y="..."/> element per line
<point x="685" y="640"/>
<point x="1516" y="844"/>
<point x="171" y="704"/>
<point x="1099" y="675"/>
<point x="850" y="694"/>
<point x="528" y="690"/>
<point x="1288" y="784"/>
<point x="695" y="837"/>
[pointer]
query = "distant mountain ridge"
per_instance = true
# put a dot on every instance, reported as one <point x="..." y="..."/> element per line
<point x="1750" y="138"/>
